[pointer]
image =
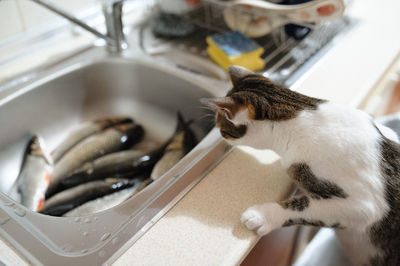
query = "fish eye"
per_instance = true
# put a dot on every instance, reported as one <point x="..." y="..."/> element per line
<point x="124" y="139"/>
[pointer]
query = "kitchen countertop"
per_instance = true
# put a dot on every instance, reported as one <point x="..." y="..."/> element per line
<point x="204" y="227"/>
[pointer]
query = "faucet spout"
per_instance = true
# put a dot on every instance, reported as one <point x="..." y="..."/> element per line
<point x="112" y="11"/>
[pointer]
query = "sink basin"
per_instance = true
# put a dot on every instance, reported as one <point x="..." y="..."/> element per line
<point x="82" y="89"/>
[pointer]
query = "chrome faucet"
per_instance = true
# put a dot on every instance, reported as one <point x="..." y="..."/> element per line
<point x="112" y="11"/>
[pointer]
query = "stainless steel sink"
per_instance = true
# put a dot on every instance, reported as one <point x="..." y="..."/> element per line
<point x="84" y="88"/>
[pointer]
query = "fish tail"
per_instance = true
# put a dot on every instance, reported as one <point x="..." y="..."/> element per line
<point x="190" y="139"/>
<point x="182" y="124"/>
<point x="35" y="148"/>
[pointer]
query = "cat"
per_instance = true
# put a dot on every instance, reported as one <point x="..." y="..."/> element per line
<point x="347" y="166"/>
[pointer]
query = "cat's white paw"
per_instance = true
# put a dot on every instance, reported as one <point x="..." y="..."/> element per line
<point x="255" y="220"/>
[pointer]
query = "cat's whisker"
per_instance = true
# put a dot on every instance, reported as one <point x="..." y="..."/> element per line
<point x="207" y="117"/>
<point x="203" y="107"/>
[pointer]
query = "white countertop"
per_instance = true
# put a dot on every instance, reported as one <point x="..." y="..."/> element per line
<point x="203" y="228"/>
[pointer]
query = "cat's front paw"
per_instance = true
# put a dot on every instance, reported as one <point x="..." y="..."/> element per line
<point x="255" y="220"/>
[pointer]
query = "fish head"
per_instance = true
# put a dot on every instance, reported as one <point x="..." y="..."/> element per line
<point x="132" y="133"/>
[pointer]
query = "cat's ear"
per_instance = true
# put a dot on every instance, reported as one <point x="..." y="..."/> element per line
<point x="218" y="102"/>
<point x="226" y="105"/>
<point x="237" y="72"/>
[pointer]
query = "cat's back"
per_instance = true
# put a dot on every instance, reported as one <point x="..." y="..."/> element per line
<point x="385" y="233"/>
<point x="334" y="129"/>
<point x="342" y="117"/>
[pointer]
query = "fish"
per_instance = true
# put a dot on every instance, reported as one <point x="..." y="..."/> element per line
<point x="33" y="178"/>
<point x="129" y="168"/>
<point x="128" y="165"/>
<point x="69" y="199"/>
<point x="116" y="164"/>
<point x="182" y="142"/>
<point x="85" y="130"/>
<point x="116" y="138"/>
<point x="106" y="202"/>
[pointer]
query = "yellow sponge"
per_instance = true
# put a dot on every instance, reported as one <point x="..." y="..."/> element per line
<point x="248" y="62"/>
<point x="234" y="48"/>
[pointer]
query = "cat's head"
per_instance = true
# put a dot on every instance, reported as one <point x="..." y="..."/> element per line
<point x="252" y="99"/>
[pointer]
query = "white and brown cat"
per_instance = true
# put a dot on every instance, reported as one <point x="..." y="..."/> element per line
<point x="347" y="166"/>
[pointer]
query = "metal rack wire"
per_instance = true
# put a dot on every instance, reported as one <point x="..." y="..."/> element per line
<point x="283" y="55"/>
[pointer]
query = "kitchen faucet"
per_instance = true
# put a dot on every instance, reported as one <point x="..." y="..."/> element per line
<point x="112" y="11"/>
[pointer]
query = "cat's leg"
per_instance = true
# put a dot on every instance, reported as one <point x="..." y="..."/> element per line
<point x="269" y="216"/>
<point x="298" y="211"/>
<point x="326" y="204"/>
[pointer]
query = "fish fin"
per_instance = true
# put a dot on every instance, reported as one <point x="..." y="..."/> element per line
<point x="47" y="178"/>
<point x="40" y="205"/>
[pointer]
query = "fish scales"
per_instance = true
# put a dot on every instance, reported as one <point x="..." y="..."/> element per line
<point x="69" y="199"/>
<point x="33" y="179"/>
<point x="111" y="140"/>
<point x="103" y="203"/>
<point x="114" y="164"/>
<point x="83" y="131"/>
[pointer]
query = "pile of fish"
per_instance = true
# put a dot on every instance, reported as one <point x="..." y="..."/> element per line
<point x="96" y="167"/>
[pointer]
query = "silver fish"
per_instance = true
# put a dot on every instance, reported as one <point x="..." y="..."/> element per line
<point x="71" y="198"/>
<point x="120" y="164"/>
<point x="33" y="178"/>
<point x="104" y="203"/>
<point x="182" y="142"/>
<point x="114" y="164"/>
<point x="83" y="131"/>
<point x="111" y="140"/>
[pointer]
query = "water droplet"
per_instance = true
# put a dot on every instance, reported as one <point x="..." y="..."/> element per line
<point x="67" y="247"/>
<point x="4" y="220"/>
<point x="102" y="253"/>
<point x="20" y="212"/>
<point x="9" y="203"/>
<point x="95" y="218"/>
<point x="87" y="220"/>
<point x="77" y="219"/>
<point x="85" y="233"/>
<point x="84" y="251"/>
<point x="114" y="241"/>
<point x="105" y="236"/>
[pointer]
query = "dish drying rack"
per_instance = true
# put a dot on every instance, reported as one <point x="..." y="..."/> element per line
<point x="283" y="55"/>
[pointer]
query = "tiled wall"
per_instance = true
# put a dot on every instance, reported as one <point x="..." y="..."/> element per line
<point x="18" y="16"/>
